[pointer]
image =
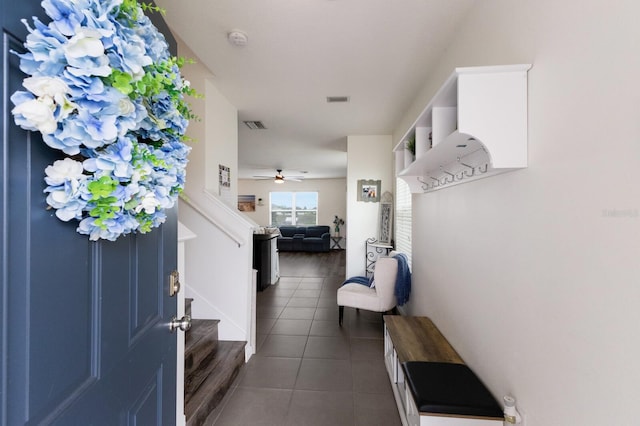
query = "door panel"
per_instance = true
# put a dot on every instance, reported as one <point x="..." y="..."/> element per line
<point x="84" y="325"/>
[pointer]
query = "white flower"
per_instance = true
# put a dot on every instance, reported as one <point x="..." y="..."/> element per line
<point x="39" y="113"/>
<point x="86" y="42"/>
<point x="148" y="204"/>
<point x="125" y="106"/>
<point x="64" y="171"/>
<point x="53" y="87"/>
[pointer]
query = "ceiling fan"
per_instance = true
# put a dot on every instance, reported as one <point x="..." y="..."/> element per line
<point x="280" y="178"/>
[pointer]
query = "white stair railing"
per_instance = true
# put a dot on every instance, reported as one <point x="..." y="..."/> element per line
<point x="219" y="266"/>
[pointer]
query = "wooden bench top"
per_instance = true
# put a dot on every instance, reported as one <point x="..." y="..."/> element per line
<point x="418" y="339"/>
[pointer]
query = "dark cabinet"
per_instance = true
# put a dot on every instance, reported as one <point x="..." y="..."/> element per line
<point x="262" y="258"/>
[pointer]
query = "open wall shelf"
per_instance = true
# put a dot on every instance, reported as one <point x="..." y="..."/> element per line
<point x="474" y="127"/>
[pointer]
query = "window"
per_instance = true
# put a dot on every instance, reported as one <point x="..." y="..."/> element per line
<point x="403" y="218"/>
<point x="294" y="208"/>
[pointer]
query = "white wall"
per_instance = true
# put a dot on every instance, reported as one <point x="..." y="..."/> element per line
<point x="214" y="136"/>
<point x="222" y="144"/>
<point x="198" y="76"/>
<point x="368" y="157"/>
<point x="218" y="261"/>
<point x="534" y="275"/>
<point x="331" y="198"/>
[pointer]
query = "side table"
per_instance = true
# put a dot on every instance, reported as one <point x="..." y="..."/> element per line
<point x="336" y="243"/>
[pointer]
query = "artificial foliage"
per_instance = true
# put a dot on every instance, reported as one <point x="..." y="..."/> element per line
<point x="103" y="89"/>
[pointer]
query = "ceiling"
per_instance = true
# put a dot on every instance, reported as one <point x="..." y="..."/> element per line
<point x="376" y="52"/>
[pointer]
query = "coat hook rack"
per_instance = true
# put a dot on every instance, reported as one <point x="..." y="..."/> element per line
<point x="425" y="185"/>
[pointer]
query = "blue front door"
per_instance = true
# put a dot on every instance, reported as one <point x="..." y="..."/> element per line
<point x="85" y="337"/>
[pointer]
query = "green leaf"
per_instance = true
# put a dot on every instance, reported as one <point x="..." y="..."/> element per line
<point x="102" y="187"/>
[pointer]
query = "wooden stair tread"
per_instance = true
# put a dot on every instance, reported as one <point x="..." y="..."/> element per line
<point x="213" y="379"/>
<point x="201" y="328"/>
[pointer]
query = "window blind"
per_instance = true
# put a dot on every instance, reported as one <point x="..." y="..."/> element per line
<point x="403" y="218"/>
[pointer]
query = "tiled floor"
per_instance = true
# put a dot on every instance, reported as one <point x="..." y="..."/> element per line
<point x="308" y="370"/>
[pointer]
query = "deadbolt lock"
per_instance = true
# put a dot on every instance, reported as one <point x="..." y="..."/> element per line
<point x="174" y="283"/>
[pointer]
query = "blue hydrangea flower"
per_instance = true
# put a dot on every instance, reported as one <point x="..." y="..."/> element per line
<point x="85" y="98"/>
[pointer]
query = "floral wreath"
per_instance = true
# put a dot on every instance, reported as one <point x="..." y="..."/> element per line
<point x="103" y="89"/>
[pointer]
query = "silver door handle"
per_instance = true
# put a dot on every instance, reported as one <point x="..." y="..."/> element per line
<point x="183" y="323"/>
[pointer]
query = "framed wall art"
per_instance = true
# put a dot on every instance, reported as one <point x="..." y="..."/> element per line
<point x="224" y="176"/>
<point x="247" y="203"/>
<point x="385" y="223"/>
<point x="369" y="190"/>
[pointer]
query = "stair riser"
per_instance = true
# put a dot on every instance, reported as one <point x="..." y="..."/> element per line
<point x="215" y="384"/>
<point x="194" y="357"/>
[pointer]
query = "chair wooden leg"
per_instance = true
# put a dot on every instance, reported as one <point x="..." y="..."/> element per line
<point x="340" y="314"/>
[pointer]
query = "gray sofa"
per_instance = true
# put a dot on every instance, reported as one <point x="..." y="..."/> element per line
<point x="304" y="238"/>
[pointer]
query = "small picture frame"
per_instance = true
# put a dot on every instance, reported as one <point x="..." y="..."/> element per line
<point x="224" y="176"/>
<point x="247" y="203"/>
<point x="385" y="223"/>
<point x="369" y="190"/>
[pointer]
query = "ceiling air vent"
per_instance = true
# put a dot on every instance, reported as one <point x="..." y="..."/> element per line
<point x="255" y="125"/>
<point x="335" y="99"/>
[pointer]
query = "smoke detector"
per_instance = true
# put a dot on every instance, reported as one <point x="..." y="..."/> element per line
<point x="237" y="38"/>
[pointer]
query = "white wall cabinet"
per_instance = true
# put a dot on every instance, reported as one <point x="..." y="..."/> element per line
<point x="474" y="127"/>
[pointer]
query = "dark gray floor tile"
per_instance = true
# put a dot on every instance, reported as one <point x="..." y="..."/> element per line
<point x="316" y="279"/>
<point x="303" y="302"/>
<point x="298" y="313"/>
<point x="306" y="293"/>
<point x="288" y="282"/>
<point x="284" y="292"/>
<point x="267" y="407"/>
<point x="321" y="408"/>
<point x="326" y="314"/>
<point x="324" y="302"/>
<point x="270" y="372"/>
<point x="260" y="338"/>
<point x="310" y="285"/>
<point x="292" y="327"/>
<point x="272" y="301"/>
<point x="325" y="374"/>
<point x="327" y="347"/>
<point x="328" y="294"/>
<point x="375" y="410"/>
<point x="364" y="329"/>
<point x="263" y="326"/>
<point x="367" y="349"/>
<point x="283" y="346"/>
<point x="327" y="328"/>
<point x="268" y="311"/>
<point x="370" y="376"/>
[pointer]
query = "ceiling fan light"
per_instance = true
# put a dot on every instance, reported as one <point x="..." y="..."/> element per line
<point x="279" y="179"/>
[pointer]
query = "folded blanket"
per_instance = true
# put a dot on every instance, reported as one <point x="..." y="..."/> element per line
<point x="403" y="281"/>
